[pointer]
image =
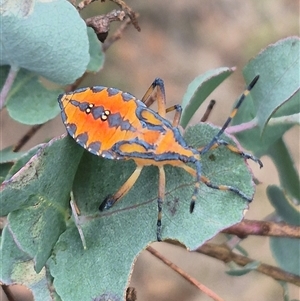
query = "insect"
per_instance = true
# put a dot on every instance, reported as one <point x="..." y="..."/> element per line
<point x="116" y="125"/>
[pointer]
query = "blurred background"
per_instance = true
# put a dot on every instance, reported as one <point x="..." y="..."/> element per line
<point x="180" y="40"/>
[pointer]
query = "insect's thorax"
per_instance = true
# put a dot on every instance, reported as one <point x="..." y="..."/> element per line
<point x="116" y="125"/>
<point x="157" y="143"/>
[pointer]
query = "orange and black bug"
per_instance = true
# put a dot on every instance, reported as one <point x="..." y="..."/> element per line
<point x="116" y="125"/>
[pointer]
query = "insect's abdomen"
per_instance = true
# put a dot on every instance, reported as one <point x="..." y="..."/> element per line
<point x="99" y="117"/>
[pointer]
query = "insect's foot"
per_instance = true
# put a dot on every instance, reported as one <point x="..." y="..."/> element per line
<point x="158" y="231"/>
<point x="192" y="206"/>
<point x="253" y="158"/>
<point x="107" y="203"/>
<point x="240" y="193"/>
<point x="258" y="162"/>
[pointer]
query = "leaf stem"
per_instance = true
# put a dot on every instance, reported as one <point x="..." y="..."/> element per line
<point x="263" y="228"/>
<point x="178" y="270"/>
<point x="289" y="119"/>
<point x="7" y="85"/>
<point x="242" y="127"/>
<point x="224" y="254"/>
<point x="75" y="213"/>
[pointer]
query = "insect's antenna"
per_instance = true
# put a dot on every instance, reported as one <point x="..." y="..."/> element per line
<point x="232" y="114"/>
<point x="208" y="110"/>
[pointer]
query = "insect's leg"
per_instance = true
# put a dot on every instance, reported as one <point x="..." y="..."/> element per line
<point x="207" y="182"/>
<point x="150" y="97"/>
<point x="233" y="149"/>
<point x="233" y="113"/>
<point x="161" y="195"/>
<point x="196" y="174"/>
<point x="112" y="199"/>
<point x="156" y="92"/>
<point x="178" y="112"/>
<point x="208" y="110"/>
<point x="216" y="141"/>
<point x="177" y="115"/>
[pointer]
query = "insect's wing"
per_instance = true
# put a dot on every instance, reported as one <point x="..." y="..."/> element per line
<point x="99" y="117"/>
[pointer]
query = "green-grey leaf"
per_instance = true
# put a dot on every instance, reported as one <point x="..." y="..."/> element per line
<point x="28" y="101"/>
<point x="7" y="160"/>
<point x="11" y="256"/>
<point x="4" y="169"/>
<point x="17" y="267"/>
<point x="7" y="155"/>
<point x="96" y="53"/>
<point x="244" y="270"/>
<point x="41" y="192"/>
<point x="286" y="253"/>
<point x="22" y="161"/>
<point x="199" y="89"/>
<point x="37" y="229"/>
<point x="285" y="248"/>
<point x="285" y="289"/>
<point x="288" y="173"/>
<point x="49" y="38"/>
<point x="130" y="225"/>
<point x="278" y="66"/>
<point x="283" y="206"/>
<point x="252" y="139"/>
